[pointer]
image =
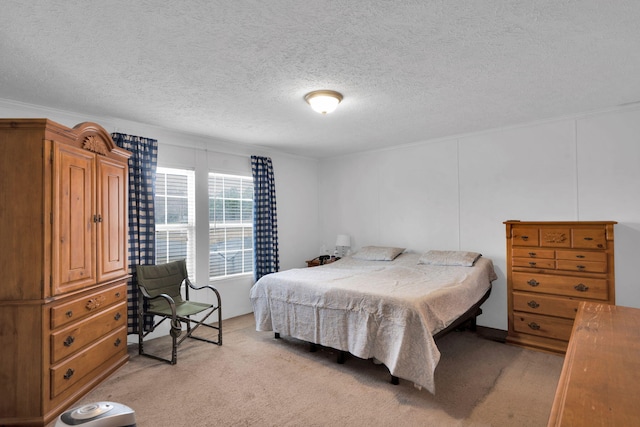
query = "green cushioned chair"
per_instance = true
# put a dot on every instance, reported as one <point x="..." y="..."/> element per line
<point x="161" y="287"/>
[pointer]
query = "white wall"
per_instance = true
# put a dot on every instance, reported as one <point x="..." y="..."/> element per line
<point x="446" y="194"/>
<point x="456" y="193"/>
<point x="296" y="191"/>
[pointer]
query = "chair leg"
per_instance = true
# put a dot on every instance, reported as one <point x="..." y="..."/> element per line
<point x="219" y="322"/>
<point x="174" y="350"/>
<point x="177" y="336"/>
<point x="140" y="326"/>
<point x="202" y="322"/>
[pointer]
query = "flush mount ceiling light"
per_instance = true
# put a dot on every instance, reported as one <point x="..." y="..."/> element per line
<point x="323" y="101"/>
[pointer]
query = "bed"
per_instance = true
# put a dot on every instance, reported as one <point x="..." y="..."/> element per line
<point x="388" y="306"/>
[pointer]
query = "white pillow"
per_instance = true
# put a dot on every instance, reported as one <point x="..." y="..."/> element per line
<point x="377" y="253"/>
<point x="453" y="258"/>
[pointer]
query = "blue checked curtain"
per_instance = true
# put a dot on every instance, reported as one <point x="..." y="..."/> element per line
<point x="265" y="219"/>
<point x="142" y="228"/>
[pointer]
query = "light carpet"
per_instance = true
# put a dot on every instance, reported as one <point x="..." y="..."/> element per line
<point x="256" y="380"/>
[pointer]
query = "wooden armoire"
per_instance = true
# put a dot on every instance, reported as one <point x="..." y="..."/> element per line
<point x="63" y="265"/>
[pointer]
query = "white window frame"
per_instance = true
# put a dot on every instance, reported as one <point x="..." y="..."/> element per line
<point x="246" y="251"/>
<point x="189" y="227"/>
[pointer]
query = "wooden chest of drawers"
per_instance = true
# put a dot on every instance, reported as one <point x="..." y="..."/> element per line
<point x="91" y="330"/>
<point x="551" y="267"/>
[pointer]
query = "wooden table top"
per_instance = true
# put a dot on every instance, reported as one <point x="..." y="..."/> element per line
<point x="600" y="379"/>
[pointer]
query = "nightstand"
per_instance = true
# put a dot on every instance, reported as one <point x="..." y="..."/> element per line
<point x="316" y="261"/>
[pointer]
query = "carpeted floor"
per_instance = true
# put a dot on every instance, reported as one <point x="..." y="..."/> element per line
<point x="256" y="380"/>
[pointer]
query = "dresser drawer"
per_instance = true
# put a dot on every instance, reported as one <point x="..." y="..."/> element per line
<point x="86" y="305"/>
<point x="579" y="287"/>
<point x="71" y="371"/>
<point x="582" y="255"/>
<point x="524" y="236"/>
<point x="534" y="263"/>
<point x="545" y="304"/>
<point x="589" y="238"/>
<point x="534" y="253"/>
<point x="84" y="332"/>
<point x="543" y="326"/>
<point x="582" y="266"/>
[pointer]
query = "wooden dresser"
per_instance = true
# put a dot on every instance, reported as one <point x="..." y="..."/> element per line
<point x="551" y="267"/>
<point x="600" y="380"/>
<point x="63" y="265"/>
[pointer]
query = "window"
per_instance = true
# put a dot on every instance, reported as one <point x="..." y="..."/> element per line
<point x="175" y="217"/>
<point x="230" y="225"/>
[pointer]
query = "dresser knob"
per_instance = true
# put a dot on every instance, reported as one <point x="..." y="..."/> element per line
<point x="533" y="304"/>
<point x="533" y="283"/>
<point x="532" y="254"/>
<point x="581" y="287"/>
<point x="69" y="314"/>
<point x="580" y="256"/>
<point x="525" y="238"/>
<point x="117" y="316"/>
<point x="70" y="339"/>
<point x="532" y="264"/>
<point x="580" y="267"/>
<point x="588" y="238"/>
<point x="117" y="342"/>
<point x="533" y="325"/>
<point x="68" y="374"/>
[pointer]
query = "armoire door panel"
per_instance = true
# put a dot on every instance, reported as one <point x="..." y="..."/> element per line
<point x="74" y="233"/>
<point x="112" y="210"/>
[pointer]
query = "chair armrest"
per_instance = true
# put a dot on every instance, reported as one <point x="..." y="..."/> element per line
<point x="197" y="288"/>
<point x="172" y="303"/>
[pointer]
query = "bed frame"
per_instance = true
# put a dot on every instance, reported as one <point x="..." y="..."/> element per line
<point x="468" y="317"/>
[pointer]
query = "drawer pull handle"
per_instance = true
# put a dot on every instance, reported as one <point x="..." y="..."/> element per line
<point x="68" y="374"/>
<point x="533" y="304"/>
<point x="532" y="254"/>
<point x="117" y="316"/>
<point x="580" y="267"/>
<point x="117" y="342"/>
<point x="581" y="287"/>
<point x="69" y="314"/>
<point x="533" y="283"/>
<point x="117" y="294"/>
<point x="70" y="339"/>
<point x="532" y="264"/>
<point x="525" y="238"/>
<point x="580" y="256"/>
<point x="534" y="326"/>
<point x="588" y="238"/>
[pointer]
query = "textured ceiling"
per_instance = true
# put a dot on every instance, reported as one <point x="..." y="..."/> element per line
<point x="409" y="70"/>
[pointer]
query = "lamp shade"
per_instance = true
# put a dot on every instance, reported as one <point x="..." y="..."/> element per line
<point x="343" y="240"/>
<point x="323" y="101"/>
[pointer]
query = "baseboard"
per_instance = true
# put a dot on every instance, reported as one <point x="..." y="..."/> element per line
<point x="492" y="334"/>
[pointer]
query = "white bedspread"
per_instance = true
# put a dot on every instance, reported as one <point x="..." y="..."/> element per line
<point x="388" y="310"/>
